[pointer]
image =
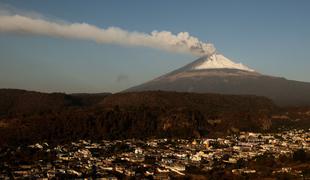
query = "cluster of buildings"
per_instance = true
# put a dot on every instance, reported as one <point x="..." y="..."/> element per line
<point x="155" y="158"/>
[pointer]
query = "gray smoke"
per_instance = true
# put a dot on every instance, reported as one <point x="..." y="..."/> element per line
<point x="182" y="42"/>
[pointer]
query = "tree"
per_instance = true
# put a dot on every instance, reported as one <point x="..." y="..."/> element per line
<point x="300" y="155"/>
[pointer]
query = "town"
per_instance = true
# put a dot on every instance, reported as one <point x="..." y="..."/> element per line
<point x="245" y="154"/>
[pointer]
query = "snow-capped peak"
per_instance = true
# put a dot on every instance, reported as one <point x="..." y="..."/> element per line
<point x="218" y="61"/>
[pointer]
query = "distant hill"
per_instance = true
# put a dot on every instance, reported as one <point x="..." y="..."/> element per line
<point x="15" y="102"/>
<point x="21" y="102"/>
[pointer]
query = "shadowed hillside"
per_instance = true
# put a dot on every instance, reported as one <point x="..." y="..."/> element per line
<point x="30" y="116"/>
<point x="15" y="102"/>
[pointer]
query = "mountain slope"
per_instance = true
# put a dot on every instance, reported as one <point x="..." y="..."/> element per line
<point x="220" y="75"/>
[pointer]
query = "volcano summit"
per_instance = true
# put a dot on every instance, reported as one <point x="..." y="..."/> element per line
<point x="217" y="74"/>
<point x="218" y="61"/>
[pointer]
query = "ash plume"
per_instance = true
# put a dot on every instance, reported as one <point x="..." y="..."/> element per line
<point x="182" y="42"/>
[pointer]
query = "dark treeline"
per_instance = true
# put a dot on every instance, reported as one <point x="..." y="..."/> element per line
<point x="27" y="117"/>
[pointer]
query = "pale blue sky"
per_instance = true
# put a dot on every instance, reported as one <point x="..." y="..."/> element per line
<point x="272" y="37"/>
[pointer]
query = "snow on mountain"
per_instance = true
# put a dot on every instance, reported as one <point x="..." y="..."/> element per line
<point x="218" y="61"/>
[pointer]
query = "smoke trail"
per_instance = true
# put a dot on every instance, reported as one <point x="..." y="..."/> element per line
<point x="165" y="40"/>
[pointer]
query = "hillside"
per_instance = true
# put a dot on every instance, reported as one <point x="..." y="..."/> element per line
<point x="15" y="102"/>
<point x="129" y="115"/>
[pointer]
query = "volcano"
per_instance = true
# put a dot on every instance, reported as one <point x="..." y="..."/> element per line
<point x="218" y="74"/>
